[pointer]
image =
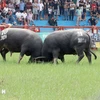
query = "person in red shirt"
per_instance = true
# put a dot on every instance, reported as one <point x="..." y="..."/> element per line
<point x="3" y="4"/>
<point x="93" y="5"/>
<point x="4" y="25"/>
<point x="28" y="5"/>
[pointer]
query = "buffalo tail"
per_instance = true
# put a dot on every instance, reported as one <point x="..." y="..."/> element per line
<point x="94" y="54"/>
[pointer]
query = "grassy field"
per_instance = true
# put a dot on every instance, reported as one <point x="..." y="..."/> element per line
<point x="65" y="81"/>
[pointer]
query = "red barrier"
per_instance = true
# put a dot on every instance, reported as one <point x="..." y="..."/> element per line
<point x="57" y="27"/>
<point x="3" y="26"/>
<point x="37" y="28"/>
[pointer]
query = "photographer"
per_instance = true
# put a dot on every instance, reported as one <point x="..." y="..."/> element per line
<point x="53" y="22"/>
<point x="92" y="21"/>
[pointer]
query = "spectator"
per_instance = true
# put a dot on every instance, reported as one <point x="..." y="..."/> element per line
<point x="3" y="17"/>
<point x="16" y="4"/>
<point x="98" y="12"/>
<point x="68" y="1"/>
<point x="16" y="1"/>
<point x="10" y="17"/>
<point x="30" y="17"/>
<point x="81" y="4"/>
<point x="72" y="10"/>
<point x="48" y="8"/>
<point x="52" y="22"/>
<point x="51" y="3"/>
<point x="66" y="10"/>
<point x="2" y="4"/>
<point x="94" y="13"/>
<point x="84" y="12"/>
<point x="5" y="9"/>
<point x="24" y="14"/>
<point x="46" y="5"/>
<point x="78" y="15"/>
<point x="0" y="14"/>
<point x="93" y="5"/>
<point x="58" y="8"/>
<point x="21" y="6"/>
<point x="98" y="3"/>
<point x="28" y="5"/>
<point x="61" y="6"/>
<point x="88" y="7"/>
<point x="50" y="12"/>
<point x="19" y="17"/>
<point x="55" y="9"/>
<point x="92" y="21"/>
<point x="11" y="6"/>
<point x="35" y="6"/>
<point x="41" y="7"/>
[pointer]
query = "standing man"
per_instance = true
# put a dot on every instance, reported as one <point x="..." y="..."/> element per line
<point x="56" y="4"/>
<point x="72" y="10"/>
<point x="21" y="6"/>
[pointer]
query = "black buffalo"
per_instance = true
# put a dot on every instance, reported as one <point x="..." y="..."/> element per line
<point x="20" y="40"/>
<point x="73" y="41"/>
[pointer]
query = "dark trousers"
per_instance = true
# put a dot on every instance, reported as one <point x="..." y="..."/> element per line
<point x="71" y="14"/>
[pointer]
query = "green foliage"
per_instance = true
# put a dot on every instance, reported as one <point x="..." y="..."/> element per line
<point x="65" y="81"/>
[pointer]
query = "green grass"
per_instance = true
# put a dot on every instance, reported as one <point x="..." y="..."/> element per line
<point x="65" y="81"/>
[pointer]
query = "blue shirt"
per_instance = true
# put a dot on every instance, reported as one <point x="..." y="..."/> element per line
<point x="22" y="6"/>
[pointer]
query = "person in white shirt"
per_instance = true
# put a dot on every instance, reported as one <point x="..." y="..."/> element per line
<point x="50" y="12"/>
<point x="41" y="7"/>
<point x="35" y="6"/>
<point x="24" y="14"/>
<point x="18" y="14"/>
<point x="5" y="10"/>
<point x="88" y="6"/>
<point x="19" y="17"/>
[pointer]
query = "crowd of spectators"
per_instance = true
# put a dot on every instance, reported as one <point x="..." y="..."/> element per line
<point x="28" y="11"/>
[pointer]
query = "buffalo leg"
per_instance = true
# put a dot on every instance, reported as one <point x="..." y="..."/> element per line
<point x="61" y="57"/>
<point x="55" y="56"/>
<point x="88" y="55"/>
<point x="30" y="60"/>
<point x="80" y="55"/>
<point x="55" y="61"/>
<point x="10" y="53"/>
<point x="23" y="51"/>
<point x="20" y="58"/>
<point x="3" y="53"/>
